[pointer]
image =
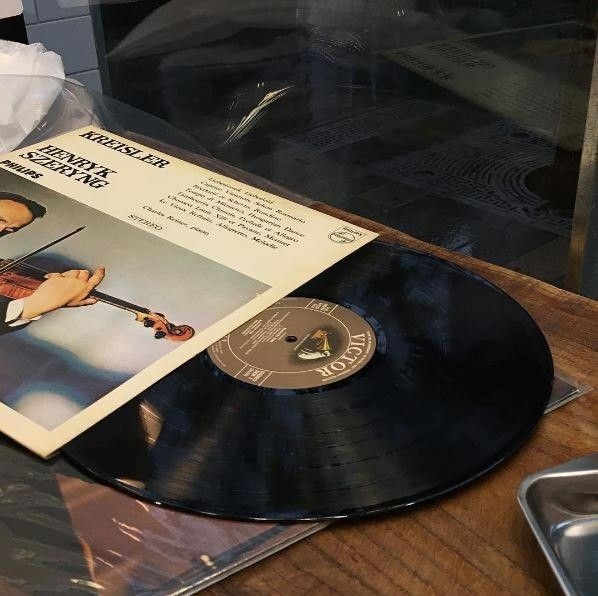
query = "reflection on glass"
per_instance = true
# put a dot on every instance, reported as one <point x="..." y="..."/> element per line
<point x="458" y="121"/>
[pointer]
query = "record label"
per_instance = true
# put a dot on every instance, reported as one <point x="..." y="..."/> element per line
<point x="298" y="343"/>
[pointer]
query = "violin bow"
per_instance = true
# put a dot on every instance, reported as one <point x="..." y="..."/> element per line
<point x="14" y="263"/>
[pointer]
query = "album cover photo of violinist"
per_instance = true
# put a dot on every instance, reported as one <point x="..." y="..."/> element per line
<point x="100" y="301"/>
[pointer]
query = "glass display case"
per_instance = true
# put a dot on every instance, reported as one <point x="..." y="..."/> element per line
<point x="461" y="122"/>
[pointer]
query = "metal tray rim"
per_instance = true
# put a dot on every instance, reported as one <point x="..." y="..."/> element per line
<point x="578" y="467"/>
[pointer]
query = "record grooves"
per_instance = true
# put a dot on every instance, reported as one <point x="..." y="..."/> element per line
<point x="391" y="378"/>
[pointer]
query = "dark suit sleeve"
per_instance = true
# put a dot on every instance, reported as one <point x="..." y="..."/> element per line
<point x="4" y="328"/>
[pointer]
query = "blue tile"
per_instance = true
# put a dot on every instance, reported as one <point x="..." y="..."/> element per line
<point x="73" y="39"/>
<point x="89" y="78"/>
<point x="53" y="10"/>
<point x="29" y="12"/>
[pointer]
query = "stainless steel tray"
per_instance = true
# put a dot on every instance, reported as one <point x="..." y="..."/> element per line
<point x="561" y="506"/>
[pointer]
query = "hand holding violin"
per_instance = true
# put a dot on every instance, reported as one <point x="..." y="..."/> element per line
<point x="44" y="292"/>
<point x="71" y="288"/>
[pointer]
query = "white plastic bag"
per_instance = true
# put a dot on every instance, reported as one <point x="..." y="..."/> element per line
<point x="32" y="78"/>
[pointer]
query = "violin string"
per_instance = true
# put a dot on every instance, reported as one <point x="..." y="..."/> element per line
<point x="12" y="264"/>
<point x="24" y="266"/>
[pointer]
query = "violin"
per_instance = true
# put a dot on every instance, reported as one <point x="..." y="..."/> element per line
<point x="19" y="280"/>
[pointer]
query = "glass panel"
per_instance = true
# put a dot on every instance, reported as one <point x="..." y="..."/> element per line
<point x="460" y="122"/>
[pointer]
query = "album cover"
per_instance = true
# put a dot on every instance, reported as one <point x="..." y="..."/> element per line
<point x="119" y="263"/>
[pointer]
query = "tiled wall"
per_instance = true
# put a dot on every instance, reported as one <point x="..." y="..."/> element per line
<point x="64" y="26"/>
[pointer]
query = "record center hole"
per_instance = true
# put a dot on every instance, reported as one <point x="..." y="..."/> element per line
<point x="290" y="338"/>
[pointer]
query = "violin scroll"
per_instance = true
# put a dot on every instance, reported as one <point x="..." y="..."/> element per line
<point x="163" y="328"/>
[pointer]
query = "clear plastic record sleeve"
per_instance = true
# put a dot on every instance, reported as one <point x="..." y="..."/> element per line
<point x="64" y="532"/>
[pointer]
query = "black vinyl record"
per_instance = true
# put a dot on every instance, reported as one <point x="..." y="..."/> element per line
<point x="457" y="376"/>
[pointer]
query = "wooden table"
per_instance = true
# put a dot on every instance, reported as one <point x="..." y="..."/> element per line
<point x="475" y="540"/>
